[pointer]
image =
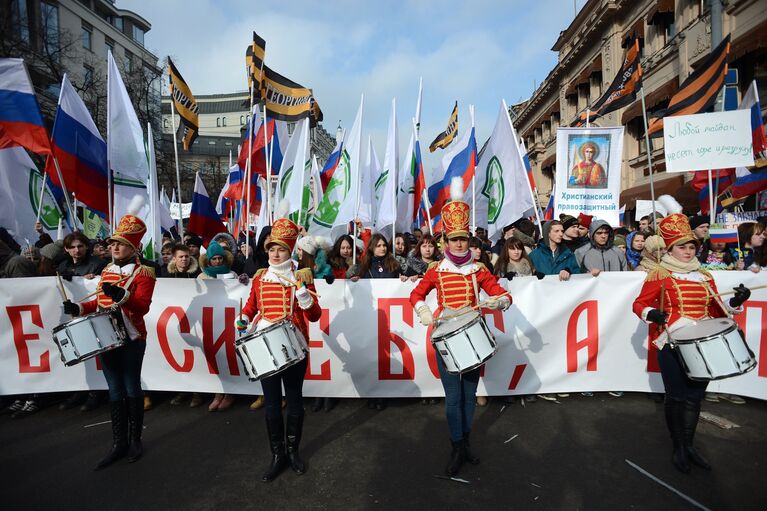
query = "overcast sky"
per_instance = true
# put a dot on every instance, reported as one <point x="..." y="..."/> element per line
<point x="474" y="52"/>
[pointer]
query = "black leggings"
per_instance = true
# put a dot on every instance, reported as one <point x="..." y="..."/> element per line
<point x="678" y="385"/>
<point x="293" y="380"/>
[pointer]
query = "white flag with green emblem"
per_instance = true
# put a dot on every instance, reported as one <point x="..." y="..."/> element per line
<point x="385" y="187"/>
<point x="371" y="171"/>
<point x="502" y="179"/>
<point x="293" y="182"/>
<point x="20" y="199"/>
<point x="341" y="199"/>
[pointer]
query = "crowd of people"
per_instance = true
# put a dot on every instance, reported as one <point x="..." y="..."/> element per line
<point x="563" y="247"/>
<point x="567" y="246"/>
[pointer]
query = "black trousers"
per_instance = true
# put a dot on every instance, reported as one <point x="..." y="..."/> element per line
<point x="678" y="385"/>
<point x="293" y="380"/>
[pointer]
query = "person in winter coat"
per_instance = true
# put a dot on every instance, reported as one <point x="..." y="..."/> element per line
<point x="182" y="265"/>
<point x="653" y="250"/>
<point x="551" y="257"/>
<point x="634" y="246"/>
<point x="341" y="255"/>
<point x="228" y="242"/>
<point x="312" y="254"/>
<point x="425" y="253"/>
<point x="600" y="255"/>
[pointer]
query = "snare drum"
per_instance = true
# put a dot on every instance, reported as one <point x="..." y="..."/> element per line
<point x="87" y="336"/>
<point x="463" y="340"/>
<point x="271" y="350"/>
<point x="712" y="349"/>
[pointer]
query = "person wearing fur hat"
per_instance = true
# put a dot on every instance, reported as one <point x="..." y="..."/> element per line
<point x="313" y="254"/>
<point x="125" y="285"/>
<point x="653" y="251"/>
<point x="458" y="280"/>
<point x="675" y="294"/>
<point x="279" y="293"/>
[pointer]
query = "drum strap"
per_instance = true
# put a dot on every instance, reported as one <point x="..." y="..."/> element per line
<point x="476" y="287"/>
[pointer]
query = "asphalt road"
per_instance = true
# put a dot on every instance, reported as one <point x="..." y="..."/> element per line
<point x="567" y="455"/>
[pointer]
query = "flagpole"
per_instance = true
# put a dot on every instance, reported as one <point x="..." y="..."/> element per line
<point x="649" y="158"/>
<point x="42" y="196"/>
<point x="265" y="124"/>
<point x="588" y="117"/>
<point x="66" y="193"/>
<point x="712" y="209"/>
<point x="178" y="173"/>
<point x="245" y="209"/>
<point x="425" y="198"/>
<point x="473" y="185"/>
<point x="394" y="177"/>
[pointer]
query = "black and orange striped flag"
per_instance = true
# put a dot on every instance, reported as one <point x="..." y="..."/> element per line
<point x="699" y="91"/>
<point x="621" y="92"/>
<point x="185" y="105"/>
<point x="254" y="63"/>
<point x="443" y="139"/>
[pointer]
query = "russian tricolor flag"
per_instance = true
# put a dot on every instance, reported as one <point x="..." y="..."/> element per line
<point x="528" y="167"/>
<point x="419" y="186"/>
<point x="276" y="135"/>
<point x="459" y="161"/>
<point x="331" y="165"/>
<point x="203" y="219"/>
<point x="21" y="123"/>
<point x="751" y="101"/>
<point x="723" y="235"/>
<point x="80" y="151"/>
<point x="549" y="213"/>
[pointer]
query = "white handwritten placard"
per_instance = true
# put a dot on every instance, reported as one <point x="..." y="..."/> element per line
<point x="717" y="140"/>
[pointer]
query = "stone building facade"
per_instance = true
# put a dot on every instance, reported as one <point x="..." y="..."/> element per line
<point x="675" y="36"/>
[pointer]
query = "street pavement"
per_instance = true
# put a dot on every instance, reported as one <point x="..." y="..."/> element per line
<point x="569" y="454"/>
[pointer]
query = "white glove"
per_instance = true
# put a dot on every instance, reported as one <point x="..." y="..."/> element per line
<point x="498" y="302"/>
<point x="304" y="298"/>
<point x="425" y="315"/>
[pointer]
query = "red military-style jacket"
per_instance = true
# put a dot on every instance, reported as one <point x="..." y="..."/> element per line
<point x="139" y="284"/>
<point x="457" y="287"/>
<point x="687" y="295"/>
<point x="270" y="299"/>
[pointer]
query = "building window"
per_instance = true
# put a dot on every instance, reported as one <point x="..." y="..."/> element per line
<point x="87" y="75"/>
<point x="109" y="46"/>
<point x="138" y="35"/>
<point x="20" y="19"/>
<point x="223" y="121"/>
<point x="218" y="122"/>
<point x="50" y="28"/>
<point x="118" y="23"/>
<point x="128" y="60"/>
<point x="87" y="37"/>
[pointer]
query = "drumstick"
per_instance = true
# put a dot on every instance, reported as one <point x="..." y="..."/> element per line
<point x="98" y="291"/>
<point x="733" y="292"/>
<point x="61" y="287"/>
<point x="294" y="284"/>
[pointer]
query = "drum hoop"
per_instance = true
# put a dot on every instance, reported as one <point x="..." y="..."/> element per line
<point x="731" y="328"/>
<point x="460" y="330"/>
<point x="79" y="319"/>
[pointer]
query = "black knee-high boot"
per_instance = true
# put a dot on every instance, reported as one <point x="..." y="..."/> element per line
<point x="276" y="431"/>
<point x="294" y="428"/>
<point x="691" y="415"/>
<point x="136" y="418"/>
<point x="467" y="454"/>
<point x="119" y="413"/>
<point x="674" y="410"/>
<point x="456" y="458"/>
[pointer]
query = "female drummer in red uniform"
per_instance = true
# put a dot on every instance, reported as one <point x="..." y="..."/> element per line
<point x="128" y="286"/>
<point x="674" y="295"/>
<point x="458" y="279"/>
<point x="277" y="293"/>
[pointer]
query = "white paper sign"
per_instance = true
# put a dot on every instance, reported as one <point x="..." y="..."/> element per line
<point x="644" y="208"/>
<point x="718" y="140"/>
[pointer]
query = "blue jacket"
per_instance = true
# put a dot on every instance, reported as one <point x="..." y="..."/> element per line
<point x="545" y="262"/>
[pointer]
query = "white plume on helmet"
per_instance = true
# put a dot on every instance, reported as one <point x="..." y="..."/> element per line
<point x="670" y="203"/>
<point x="135" y="205"/>
<point x="456" y="188"/>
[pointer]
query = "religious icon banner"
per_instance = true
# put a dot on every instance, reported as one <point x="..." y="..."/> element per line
<point x="589" y="172"/>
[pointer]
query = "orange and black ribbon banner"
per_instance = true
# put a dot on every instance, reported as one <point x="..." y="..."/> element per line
<point x="621" y="92"/>
<point x="287" y="100"/>
<point x="443" y="139"/>
<point x="699" y="91"/>
<point x="254" y="62"/>
<point x="185" y="104"/>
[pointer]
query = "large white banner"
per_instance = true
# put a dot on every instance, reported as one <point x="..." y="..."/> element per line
<point x="570" y="336"/>
<point x="590" y="179"/>
<point x="717" y="140"/>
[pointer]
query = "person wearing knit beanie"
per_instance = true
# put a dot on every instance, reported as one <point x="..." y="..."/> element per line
<point x="699" y="225"/>
<point x="568" y="221"/>
<point x="620" y="242"/>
